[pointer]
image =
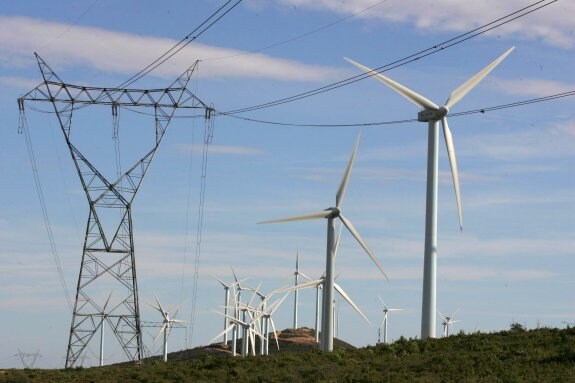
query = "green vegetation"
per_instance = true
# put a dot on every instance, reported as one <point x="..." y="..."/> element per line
<point x="517" y="355"/>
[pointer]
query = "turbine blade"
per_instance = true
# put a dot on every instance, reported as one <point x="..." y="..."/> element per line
<point x="441" y="315"/>
<point x="107" y="301"/>
<point x="277" y="304"/>
<point x="297" y="262"/>
<point x="345" y="179"/>
<point x="360" y="240"/>
<point x="337" y="241"/>
<point x="176" y="308"/>
<point x="466" y="87"/>
<point x="348" y="299"/>
<point x="453" y="164"/>
<point x="300" y="286"/>
<point x="305" y="276"/>
<point x="275" y="333"/>
<point x="412" y="96"/>
<point x="232" y="319"/>
<point x="235" y="276"/>
<point x="221" y="282"/>
<point x="161" y="309"/>
<point x="252" y="341"/>
<point x="227" y="329"/>
<point x="455" y="312"/>
<point x="162" y="329"/>
<point x="303" y="217"/>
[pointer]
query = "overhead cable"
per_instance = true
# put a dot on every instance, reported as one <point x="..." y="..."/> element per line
<point x="395" y="122"/>
<point x="197" y="32"/>
<point x="405" y="60"/>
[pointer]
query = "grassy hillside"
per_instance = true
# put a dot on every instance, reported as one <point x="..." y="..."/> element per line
<point x="542" y="355"/>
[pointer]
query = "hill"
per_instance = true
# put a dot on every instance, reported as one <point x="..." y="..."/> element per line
<point x="517" y="355"/>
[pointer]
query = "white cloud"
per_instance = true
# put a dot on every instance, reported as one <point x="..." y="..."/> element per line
<point x="552" y="24"/>
<point x="18" y="82"/>
<point x="126" y="53"/>
<point x="532" y="87"/>
<point x="566" y="128"/>
<point x="549" y="142"/>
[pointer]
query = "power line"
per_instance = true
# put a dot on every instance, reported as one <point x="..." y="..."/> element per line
<point x="395" y="122"/>
<point x="407" y="59"/>
<point x="24" y="129"/>
<point x="301" y="36"/>
<point x="197" y="32"/>
<point x="208" y="137"/>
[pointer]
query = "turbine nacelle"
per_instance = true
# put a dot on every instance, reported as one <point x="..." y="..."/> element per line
<point x="335" y="212"/>
<point x="432" y="114"/>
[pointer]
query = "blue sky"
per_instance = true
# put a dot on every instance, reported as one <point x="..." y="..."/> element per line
<point x="513" y="262"/>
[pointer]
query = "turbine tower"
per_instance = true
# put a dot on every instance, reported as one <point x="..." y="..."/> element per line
<point x="332" y="214"/>
<point x="432" y="113"/>
<point x="108" y="256"/>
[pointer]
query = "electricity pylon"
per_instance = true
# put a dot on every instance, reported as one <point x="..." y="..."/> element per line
<point x="108" y="254"/>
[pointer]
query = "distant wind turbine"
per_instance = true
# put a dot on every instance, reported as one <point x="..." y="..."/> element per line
<point x="248" y="325"/>
<point x="296" y="274"/>
<point x="448" y="322"/>
<point x="268" y="313"/>
<point x="386" y="310"/>
<point x="167" y="324"/>
<point x="103" y="315"/>
<point x="331" y="214"/>
<point x="226" y="306"/>
<point x="237" y="302"/>
<point x="432" y="113"/>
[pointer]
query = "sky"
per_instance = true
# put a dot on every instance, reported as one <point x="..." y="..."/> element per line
<point x="513" y="261"/>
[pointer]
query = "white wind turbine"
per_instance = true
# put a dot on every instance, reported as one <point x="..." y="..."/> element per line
<point x="267" y="317"/>
<point x="249" y="330"/>
<point x="331" y="214"/>
<point x="167" y="324"/>
<point x="432" y="113"/>
<point x="386" y="310"/>
<point x="448" y="322"/>
<point x="226" y="306"/>
<point x="103" y="315"/>
<point x="296" y="274"/>
<point x="237" y="302"/>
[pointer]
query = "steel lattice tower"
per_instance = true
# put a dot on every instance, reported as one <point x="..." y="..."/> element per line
<point x="108" y="256"/>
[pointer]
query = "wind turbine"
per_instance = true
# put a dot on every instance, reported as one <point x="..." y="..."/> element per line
<point x="432" y="113"/>
<point x="319" y="284"/>
<point x="237" y="302"/>
<point x="226" y="305"/>
<point x="268" y="312"/>
<point x="249" y="330"/>
<point x="296" y="274"/>
<point x="167" y="324"/>
<point x="386" y="310"/>
<point x="331" y="214"/>
<point x="103" y="316"/>
<point x="448" y="322"/>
